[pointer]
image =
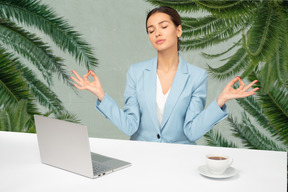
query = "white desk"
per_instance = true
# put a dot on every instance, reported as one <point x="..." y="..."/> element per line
<point x="155" y="167"/>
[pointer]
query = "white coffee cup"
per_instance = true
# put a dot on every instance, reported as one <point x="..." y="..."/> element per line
<point x="217" y="164"/>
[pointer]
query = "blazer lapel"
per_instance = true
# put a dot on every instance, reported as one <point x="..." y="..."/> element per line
<point x="150" y="90"/>
<point x="177" y="87"/>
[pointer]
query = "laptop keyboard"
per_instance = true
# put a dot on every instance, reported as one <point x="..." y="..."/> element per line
<point x="99" y="168"/>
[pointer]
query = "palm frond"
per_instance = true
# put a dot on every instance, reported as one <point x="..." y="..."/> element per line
<point x="219" y="8"/>
<point x="15" y="117"/>
<point x="264" y="42"/>
<point x="32" y="48"/>
<point x="268" y="74"/>
<point x="179" y="5"/>
<point x="219" y="4"/>
<point x="235" y="64"/>
<point x="206" y="26"/>
<point x="217" y="140"/>
<point x="4" y="120"/>
<point x="228" y="8"/>
<point x="250" y="105"/>
<point x="250" y="68"/>
<point x="276" y="109"/>
<point x="269" y="109"/>
<point x="213" y="56"/>
<point x="252" y="137"/>
<point x="12" y="86"/>
<point x="263" y="37"/>
<point x="68" y="117"/>
<point x="282" y="58"/>
<point x="33" y="13"/>
<point x="213" y="39"/>
<point x="43" y="94"/>
<point x="17" y="82"/>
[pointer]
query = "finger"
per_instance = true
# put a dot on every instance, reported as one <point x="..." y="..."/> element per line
<point x="85" y="77"/>
<point x="78" y="87"/>
<point x="242" y="84"/>
<point x="94" y="75"/>
<point x="76" y="80"/>
<point x="233" y="81"/>
<point x="250" y="85"/>
<point x="255" y="89"/>
<point x="249" y="93"/>
<point x="76" y="74"/>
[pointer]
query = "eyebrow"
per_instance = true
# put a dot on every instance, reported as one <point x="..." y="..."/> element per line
<point x="158" y="23"/>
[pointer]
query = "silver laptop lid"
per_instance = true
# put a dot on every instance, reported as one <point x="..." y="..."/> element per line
<point x="64" y="145"/>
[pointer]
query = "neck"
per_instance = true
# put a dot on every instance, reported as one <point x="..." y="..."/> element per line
<point x="167" y="61"/>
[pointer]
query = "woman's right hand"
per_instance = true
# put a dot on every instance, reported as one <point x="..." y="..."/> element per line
<point x="94" y="87"/>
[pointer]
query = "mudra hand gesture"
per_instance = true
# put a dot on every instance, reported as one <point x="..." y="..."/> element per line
<point x="242" y="91"/>
<point x="227" y="94"/>
<point x="94" y="87"/>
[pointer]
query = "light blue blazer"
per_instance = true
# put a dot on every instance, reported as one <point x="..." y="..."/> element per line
<point x="184" y="121"/>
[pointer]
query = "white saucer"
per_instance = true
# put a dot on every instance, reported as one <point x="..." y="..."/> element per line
<point x="230" y="172"/>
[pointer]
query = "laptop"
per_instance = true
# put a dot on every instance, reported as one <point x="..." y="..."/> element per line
<point x="66" y="145"/>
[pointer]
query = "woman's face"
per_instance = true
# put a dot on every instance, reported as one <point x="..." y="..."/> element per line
<point x="162" y="32"/>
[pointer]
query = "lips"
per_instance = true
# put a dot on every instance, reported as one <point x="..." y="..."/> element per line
<point x="160" y="41"/>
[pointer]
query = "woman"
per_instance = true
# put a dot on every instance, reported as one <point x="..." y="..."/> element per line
<point x="165" y="96"/>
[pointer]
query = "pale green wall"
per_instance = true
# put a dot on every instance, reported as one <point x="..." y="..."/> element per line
<point x="116" y="29"/>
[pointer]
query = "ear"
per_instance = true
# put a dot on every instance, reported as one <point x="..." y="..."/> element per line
<point x="179" y="31"/>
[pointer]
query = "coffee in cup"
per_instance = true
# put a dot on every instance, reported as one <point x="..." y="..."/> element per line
<point x="217" y="164"/>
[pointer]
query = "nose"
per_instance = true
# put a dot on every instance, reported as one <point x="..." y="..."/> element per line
<point x="157" y="33"/>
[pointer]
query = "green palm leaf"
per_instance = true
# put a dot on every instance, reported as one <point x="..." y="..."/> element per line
<point x="233" y="66"/>
<point x="15" y="118"/>
<point x="213" y="56"/>
<point x="217" y="140"/>
<point x="32" y="48"/>
<point x="219" y="8"/>
<point x="206" y="26"/>
<point x="269" y="110"/>
<point x="264" y="33"/>
<point x="252" y="137"/>
<point x="33" y="13"/>
<point x="43" y="94"/>
<point x="282" y="60"/>
<point x="68" y="117"/>
<point x="12" y="86"/>
<point x="18" y="82"/>
<point x="263" y="41"/>
<point x="276" y="109"/>
<point x="206" y="41"/>
<point x="250" y="105"/>
<point x="228" y="8"/>
<point x="180" y="5"/>
<point x="268" y="75"/>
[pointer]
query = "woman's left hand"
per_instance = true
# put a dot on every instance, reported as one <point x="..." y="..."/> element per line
<point x="242" y="91"/>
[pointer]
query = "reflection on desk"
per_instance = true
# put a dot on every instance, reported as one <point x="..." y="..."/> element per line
<point x="155" y="167"/>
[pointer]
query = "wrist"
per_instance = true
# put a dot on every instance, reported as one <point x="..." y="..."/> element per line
<point x="221" y="101"/>
<point x="101" y="95"/>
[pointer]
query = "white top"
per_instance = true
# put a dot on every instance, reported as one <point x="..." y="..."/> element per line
<point x="160" y="101"/>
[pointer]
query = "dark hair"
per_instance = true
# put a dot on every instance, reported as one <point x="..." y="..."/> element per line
<point x="174" y="16"/>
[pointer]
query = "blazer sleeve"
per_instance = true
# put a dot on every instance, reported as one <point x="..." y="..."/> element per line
<point x="127" y="120"/>
<point x="198" y="120"/>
